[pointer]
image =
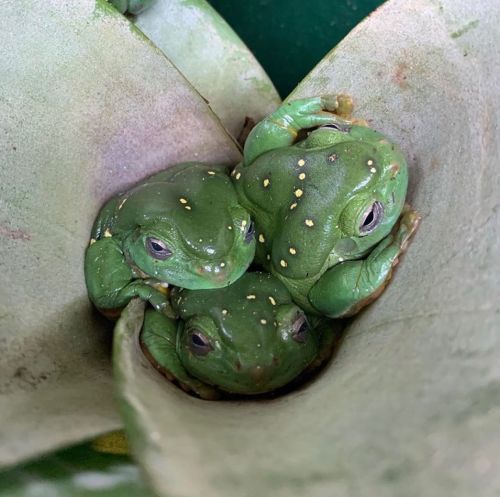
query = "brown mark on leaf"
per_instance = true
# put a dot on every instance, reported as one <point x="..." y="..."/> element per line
<point x="400" y="77"/>
<point x="14" y="234"/>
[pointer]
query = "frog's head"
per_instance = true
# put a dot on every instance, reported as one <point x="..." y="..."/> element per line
<point x="246" y="339"/>
<point x="194" y="254"/>
<point x="373" y="183"/>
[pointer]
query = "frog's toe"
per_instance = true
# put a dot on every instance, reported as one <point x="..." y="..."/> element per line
<point x="331" y="103"/>
<point x="408" y="224"/>
<point x="344" y="105"/>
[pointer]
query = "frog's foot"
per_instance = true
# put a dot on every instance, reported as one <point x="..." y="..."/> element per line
<point x="282" y="127"/>
<point x="158" y="342"/>
<point x="349" y="286"/>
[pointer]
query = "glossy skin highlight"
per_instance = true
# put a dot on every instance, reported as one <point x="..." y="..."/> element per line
<point x="182" y="226"/>
<point x="249" y="338"/>
<point x="326" y="206"/>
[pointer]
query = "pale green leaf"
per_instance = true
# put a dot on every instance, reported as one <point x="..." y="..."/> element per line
<point x="212" y="57"/>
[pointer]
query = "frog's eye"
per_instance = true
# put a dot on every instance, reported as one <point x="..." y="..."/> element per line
<point x="371" y="218"/>
<point x="199" y="344"/>
<point x="250" y="234"/>
<point x="157" y="249"/>
<point x="300" y="329"/>
<point x="343" y="128"/>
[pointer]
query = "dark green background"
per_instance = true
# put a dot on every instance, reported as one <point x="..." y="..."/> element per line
<point x="289" y="37"/>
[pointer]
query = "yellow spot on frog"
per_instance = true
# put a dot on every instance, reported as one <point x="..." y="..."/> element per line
<point x="222" y="264"/>
<point x="293" y="206"/>
<point x="309" y="222"/>
<point x="273" y="302"/>
<point x="183" y="200"/>
<point x="266" y="183"/>
<point x="107" y="233"/>
<point x="302" y="176"/>
<point x="283" y="263"/>
<point x="121" y="203"/>
<point x="187" y="207"/>
<point x="212" y="173"/>
<point x="238" y="176"/>
<point x="373" y="170"/>
<point x="92" y="241"/>
<point x="263" y="321"/>
<point x="111" y="443"/>
<point x="298" y="193"/>
<point x="301" y="162"/>
<point x="341" y="259"/>
<point x="261" y="238"/>
<point x="243" y="224"/>
<point x="370" y="162"/>
<point x="251" y="297"/>
<point x="292" y="251"/>
<point x="229" y="227"/>
<point x="224" y="312"/>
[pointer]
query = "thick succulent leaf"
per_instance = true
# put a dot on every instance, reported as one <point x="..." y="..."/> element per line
<point x="212" y="57"/>
<point x="79" y="471"/>
<point x="88" y="107"/>
<point x="411" y="404"/>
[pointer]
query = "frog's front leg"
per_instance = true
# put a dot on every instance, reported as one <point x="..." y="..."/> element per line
<point x="281" y="128"/>
<point x="349" y="286"/>
<point x="158" y="342"/>
<point x="111" y="282"/>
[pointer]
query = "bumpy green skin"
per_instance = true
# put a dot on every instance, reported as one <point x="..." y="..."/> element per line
<point x="193" y="210"/>
<point x="131" y="6"/>
<point x="251" y="330"/>
<point x="309" y="199"/>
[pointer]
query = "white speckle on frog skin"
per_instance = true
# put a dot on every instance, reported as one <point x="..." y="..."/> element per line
<point x="251" y="297"/>
<point x="122" y="202"/>
<point x="263" y="321"/>
<point x="222" y="264"/>
<point x="92" y="241"/>
<point x="187" y="207"/>
<point x="370" y="162"/>
<point x="183" y="200"/>
<point x="298" y="193"/>
<point x="292" y="250"/>
<point x="266" y="183"/>
<point x="293" y="206"/>
<point x="107" y="233"/>
<point x="301" y="162"/>
<point x="261" y="238"/>
<point x="283" y="263"/>
<point x="238" y="176"/>
<point x="229" y="227"/>
<point x="224" y="312"/>
<point x="212" y="173"/>
<point x="309" y="222"/>
<point x="373" y="170"/>
<point x="243" y="224"/>
<point x="341" y="259"/>
<point x="302" y="176"/>
<point x="273" y="302"/>
<point x="268" y="257"/>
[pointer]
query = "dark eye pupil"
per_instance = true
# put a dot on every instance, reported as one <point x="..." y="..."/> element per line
<point x="156" y="246"/>
<point x="250" y="232"/>
<point x="368" y="219"/>
<point x="197" y="340"/>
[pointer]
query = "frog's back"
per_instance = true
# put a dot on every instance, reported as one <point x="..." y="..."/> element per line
<point x="296" y="196"/>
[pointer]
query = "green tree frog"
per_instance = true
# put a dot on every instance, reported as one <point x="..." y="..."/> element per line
<point x="182" y="226"/>
<point x="248" y="338"/>
<point x="326" y="204"/>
